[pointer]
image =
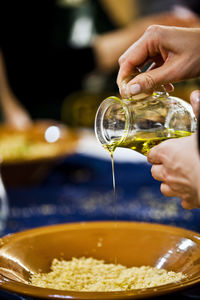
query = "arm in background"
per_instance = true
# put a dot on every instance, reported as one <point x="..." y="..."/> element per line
<point x="14" y="113"/>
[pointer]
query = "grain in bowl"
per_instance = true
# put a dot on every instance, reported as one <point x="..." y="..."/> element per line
<point x="92" y="275"/>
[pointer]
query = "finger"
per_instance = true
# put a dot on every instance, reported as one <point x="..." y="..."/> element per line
<point x="127" y="68"/>
<point x="147" y="47"/>
<point x="195" y="101"/>
<point x="136" y="55"/>
<point x="169" y="192"/>
<point x="122" y="90"/>
<point x="122" y="87"/>
<point x="167" y="87"/>
<point x="166" y="190"/>
<point x="150" y="80"/>
<point x="157" y="172"/>
<point x="187" y="205"/>
<point x="154" y="156"/>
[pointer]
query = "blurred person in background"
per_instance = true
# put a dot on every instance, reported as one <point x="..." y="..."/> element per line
<point x="45" y="52"/>
<point x="49" y="47"/>
<point x="174" y="53"/>
<point x="110" y="46"/>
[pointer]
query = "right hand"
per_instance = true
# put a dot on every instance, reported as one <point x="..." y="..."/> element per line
<point x="176" y="164"/>
<point x="174" y="52"/>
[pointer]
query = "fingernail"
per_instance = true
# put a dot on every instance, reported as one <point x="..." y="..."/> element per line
<point x="135" y="89"/>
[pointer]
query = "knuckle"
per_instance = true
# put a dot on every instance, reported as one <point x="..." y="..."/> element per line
<point x="162" y="153"/>
<point x="120" y="60"/>
<point x="153" y="29"/>
<point x="149" y="81"/>
<point x="158" y="153"/>
<point x="123" y="59"/>
<point x="146" y="81"/>
<point x="164" y="174"/>
<point x="125" y="67"/>
<point x="185" y="197"/>
<point x="128" y="63"/>
<point x="166" y="177"/>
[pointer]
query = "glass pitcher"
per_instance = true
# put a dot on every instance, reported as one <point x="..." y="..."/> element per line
<point x="141" y="122"/>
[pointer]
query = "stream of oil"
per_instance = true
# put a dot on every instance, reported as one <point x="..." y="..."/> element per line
<point x="114" y="196"/>
<point x="114" y="186"/>
<point x="111" y="152"/>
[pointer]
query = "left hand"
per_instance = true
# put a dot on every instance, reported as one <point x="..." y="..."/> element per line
<point x="176" y="163"/>
<point x="173" y="52"/>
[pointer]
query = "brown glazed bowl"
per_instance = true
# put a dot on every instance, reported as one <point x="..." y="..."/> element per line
<point x="131" y="243"/>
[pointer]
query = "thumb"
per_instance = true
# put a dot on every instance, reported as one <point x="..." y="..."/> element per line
<point x="149" y="80"/>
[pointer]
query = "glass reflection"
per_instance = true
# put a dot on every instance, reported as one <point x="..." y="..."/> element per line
<point x="185" y="244"/>
<point x="182" y="246"/>
<point x="162" y="260"/>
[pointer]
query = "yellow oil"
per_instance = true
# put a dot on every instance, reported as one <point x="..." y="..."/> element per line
<point x="142" y="141"/>
<point x="114" y="196"/>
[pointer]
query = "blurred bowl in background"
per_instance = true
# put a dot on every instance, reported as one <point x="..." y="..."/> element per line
<point x="28" y="155"/>
<point x="79" y="108"/>
<point x="185" y="88"/>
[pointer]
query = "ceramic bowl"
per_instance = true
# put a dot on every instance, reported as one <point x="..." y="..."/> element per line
<point x="131" y="243"/>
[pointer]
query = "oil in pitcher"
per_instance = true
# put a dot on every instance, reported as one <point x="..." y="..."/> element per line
<point x="142" y="122"/>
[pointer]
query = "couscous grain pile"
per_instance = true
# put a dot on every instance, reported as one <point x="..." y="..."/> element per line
<point x="89" y="274"/>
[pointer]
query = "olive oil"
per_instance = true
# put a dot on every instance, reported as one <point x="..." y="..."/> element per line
<point x="114" y="196"/>
<point x="114" y="186"/>
<point x="143" y="141"/>
<point x="114" y="190"/>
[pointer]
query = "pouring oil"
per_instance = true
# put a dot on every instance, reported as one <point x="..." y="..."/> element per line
<point x="114" y="191"/>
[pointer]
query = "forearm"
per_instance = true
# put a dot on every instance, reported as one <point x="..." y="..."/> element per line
<point x="108" y="47"/>
<point x="4" y="85"/>
<point x="14" y="113"/>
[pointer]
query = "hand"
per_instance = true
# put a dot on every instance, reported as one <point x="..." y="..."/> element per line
<point x="176" y="163"/>
<point x="173" y="51"/>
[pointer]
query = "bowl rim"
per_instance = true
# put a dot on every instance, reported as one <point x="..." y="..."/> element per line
<point x="28" y="290"/>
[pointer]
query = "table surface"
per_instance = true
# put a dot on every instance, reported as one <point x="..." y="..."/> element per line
<point x="80" y="189"/>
